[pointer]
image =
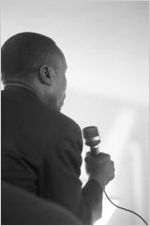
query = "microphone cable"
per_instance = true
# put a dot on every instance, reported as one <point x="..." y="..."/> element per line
<point x="125" y="209"/>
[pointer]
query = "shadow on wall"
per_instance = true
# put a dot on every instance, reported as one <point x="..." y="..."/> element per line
<point x="123" y="127"/>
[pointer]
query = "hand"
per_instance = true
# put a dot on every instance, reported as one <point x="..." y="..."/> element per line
<point x="100" y="167"/>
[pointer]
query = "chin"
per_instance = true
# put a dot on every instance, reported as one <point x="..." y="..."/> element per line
<point x="53" y="104"/>
<point x="59" y="108"/>
<point x="56" y="107"/>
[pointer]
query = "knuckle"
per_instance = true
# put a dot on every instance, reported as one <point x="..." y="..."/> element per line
<point x="86" y="159"/>
<point x="112" y="163"/>
<point x="103" y="155"/>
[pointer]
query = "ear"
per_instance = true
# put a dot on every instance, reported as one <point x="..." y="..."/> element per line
<point x="46" y="74"/>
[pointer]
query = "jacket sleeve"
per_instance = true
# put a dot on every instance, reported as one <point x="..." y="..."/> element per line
<point x="63" y="185"/>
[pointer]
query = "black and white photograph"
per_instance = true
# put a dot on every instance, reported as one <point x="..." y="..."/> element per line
<point x="75" y="112"/>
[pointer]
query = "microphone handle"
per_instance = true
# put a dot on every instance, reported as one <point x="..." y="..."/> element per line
<point x="95" y="150"/>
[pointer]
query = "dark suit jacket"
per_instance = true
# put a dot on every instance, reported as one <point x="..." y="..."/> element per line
<point x="19" y="207"/>
<point x="41" y="152"/>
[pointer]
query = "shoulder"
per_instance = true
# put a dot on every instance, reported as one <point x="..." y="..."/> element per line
<point x="67" y="144"/>
<point x="62" y="122"/>
<point x="69" y="124"/>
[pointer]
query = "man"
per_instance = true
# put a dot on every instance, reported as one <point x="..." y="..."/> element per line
<point x="41" y="147"/>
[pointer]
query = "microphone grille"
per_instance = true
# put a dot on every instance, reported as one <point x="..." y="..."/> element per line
<point x="90" y="131"/>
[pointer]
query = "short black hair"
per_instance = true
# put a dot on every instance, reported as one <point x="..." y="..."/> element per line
<point x="25" y="52"/>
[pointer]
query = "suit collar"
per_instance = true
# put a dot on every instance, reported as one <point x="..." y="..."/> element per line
<point x="18" y="90"/>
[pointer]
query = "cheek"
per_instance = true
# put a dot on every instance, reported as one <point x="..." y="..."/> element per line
<point x="63" y="87"/>
<point x="60" y="91"/>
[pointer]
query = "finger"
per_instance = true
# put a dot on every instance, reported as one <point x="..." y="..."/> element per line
<point x="97" y="160"/>
<point x="103" y="155"/>
<point x="100" y="155"/>
<point x="89" y="159"/>
<point x="88" y="153"/>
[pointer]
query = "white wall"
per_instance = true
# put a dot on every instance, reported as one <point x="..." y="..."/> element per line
<point x="123" y="127"/>
<point x="106" y="47"/>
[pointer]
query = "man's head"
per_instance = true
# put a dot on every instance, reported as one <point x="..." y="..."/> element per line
<point x="36" y="61"/>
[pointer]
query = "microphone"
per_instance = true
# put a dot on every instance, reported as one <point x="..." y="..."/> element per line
<point x="92" y="138"/>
